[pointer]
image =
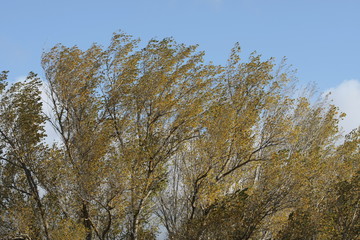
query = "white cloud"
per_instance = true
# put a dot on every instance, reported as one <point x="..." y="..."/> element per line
<point x="52" y="135"/>
<point x="347" y="97"/>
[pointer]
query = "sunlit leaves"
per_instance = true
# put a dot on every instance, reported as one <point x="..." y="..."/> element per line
<point x="154" y="134"/>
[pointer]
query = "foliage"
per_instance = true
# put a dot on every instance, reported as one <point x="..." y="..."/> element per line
<point x="153" y="138"/>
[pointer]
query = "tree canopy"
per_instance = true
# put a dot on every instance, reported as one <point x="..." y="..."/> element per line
<point x="154" y="140"/>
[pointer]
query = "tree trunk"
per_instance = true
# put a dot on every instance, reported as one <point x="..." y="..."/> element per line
<point x="134" y="228"/>
<point x="87" y="222"/>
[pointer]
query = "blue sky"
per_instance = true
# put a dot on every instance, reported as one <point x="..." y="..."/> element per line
<point x="320" y="38"/>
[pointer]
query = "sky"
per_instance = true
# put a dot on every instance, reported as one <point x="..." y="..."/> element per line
<point x="320" y="38"/>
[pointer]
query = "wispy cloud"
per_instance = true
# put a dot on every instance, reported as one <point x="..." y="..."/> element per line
<point x="347" y="97"/>
<point x="216" y="3"/>
<point x="213" y="3"/>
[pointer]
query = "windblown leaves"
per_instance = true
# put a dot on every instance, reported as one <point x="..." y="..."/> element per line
<point x="153" y="136"/>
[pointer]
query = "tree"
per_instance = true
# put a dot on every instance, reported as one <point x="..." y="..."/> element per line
<point x="21" y="133"/>
<point x="154" y="137"/>
<point x="341" y="214"/>
<point x="133" y="110"/>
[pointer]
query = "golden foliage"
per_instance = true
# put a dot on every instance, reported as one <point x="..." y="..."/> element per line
<point x="154" y="137"/>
